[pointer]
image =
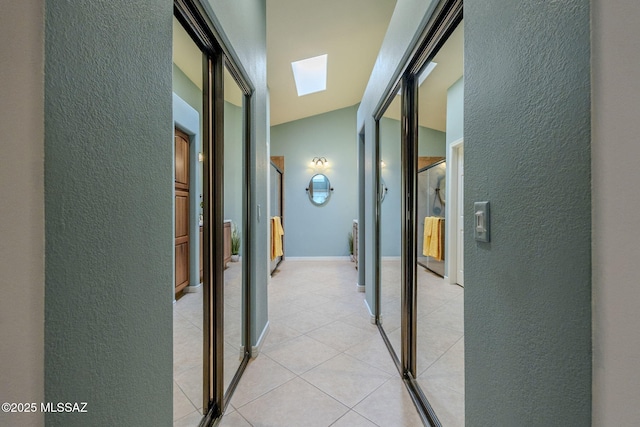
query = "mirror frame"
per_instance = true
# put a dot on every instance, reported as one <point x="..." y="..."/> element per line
<point x="310" y="190"/>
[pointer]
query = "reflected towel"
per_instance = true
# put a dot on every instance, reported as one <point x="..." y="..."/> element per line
<point x="276" y="237"/>
<point x="433" y="244"/>
<point x="427" y="235"/>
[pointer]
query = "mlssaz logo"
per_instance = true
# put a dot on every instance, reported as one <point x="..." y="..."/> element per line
<point x="64" y="407"/>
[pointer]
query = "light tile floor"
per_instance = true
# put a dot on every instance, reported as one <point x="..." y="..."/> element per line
<point x="324" y="364"/>
<point x="440" y="337"/>
<point x="187" y="347"/>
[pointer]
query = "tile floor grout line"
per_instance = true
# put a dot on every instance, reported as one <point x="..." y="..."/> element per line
<point x="440" y="357"/>
<point x="185" y="395"/>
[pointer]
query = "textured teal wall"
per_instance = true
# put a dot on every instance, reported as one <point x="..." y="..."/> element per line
<point x="318" y="231"/>
<point x="108" y="211"/>
<point x="527" y="151"/>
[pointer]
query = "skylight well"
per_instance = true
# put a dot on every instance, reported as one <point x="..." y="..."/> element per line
<point x="310" y="74"/>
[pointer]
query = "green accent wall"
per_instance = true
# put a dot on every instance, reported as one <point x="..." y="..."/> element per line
<point x="527" y="141"/>
<point x="321" y="231"/>
<point x="309" y="230"/>
<point x="108" y="211"/>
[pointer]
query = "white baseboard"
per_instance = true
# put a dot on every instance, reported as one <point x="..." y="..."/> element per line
<point x="193" y="289"/>
<point x="372" y="317"/>
<point x="359" y="287"/>
<point x="318" y="258"/>
<point x="255" y="350"/>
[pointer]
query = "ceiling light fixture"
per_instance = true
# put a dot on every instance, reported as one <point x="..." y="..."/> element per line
<point x="320" y="161"/>
<point x="310" y="74"/>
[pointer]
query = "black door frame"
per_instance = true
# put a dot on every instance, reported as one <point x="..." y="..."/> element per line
<point x="193" y="16"/>
<point x="443" y="21"/>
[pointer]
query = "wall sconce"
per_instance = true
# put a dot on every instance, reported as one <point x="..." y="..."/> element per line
<point x="201" y="157"/>
<point x="319" y="161"/>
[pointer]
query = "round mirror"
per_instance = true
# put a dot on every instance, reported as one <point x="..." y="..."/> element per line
<point x="319" y="189"/>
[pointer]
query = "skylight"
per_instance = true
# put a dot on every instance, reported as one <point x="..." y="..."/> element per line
<point x="310" y="74"/>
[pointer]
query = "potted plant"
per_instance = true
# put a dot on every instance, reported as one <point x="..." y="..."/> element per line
<point x="350" y="238"/>
<point x="235" y="244"/>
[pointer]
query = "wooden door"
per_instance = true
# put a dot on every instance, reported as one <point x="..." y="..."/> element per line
<point x="182" y="209"/>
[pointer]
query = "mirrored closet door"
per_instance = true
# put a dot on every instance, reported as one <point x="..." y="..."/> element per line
<point x="220" y="95"/>
<point x="390" y="222"/>
<point x="420" y="313"/>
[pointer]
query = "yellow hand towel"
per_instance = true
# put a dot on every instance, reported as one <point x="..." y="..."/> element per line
<point x="436" y="242"/>
<point x="276" y="237"/>
<point x="426" y="235"/>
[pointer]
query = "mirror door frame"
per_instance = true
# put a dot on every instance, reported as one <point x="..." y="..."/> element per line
<point x="216" y="55"/>
<point x="444" y="19"/>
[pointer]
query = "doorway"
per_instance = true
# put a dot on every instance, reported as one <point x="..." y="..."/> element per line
<point x="456" y="228"/>
<point x="181" y="203"/>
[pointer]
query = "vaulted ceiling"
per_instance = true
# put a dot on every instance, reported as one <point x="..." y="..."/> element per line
<point x="351" y="33"/>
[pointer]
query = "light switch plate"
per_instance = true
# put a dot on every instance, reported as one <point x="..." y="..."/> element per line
<point x="482" y="222"/>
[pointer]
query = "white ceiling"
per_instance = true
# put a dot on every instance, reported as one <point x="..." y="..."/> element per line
<point x="351" y="33"/>
<point x="432" y="95"/>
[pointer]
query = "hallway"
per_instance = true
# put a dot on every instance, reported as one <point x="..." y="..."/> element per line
<point x="323" y="362"/>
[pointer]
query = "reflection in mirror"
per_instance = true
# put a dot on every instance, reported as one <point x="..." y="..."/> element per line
<point x="439" y="304"/>
<point x="382" y="191"/>
<point x="431" y="207"/>
<point x="234" y="227"/>
<point x="188" y="318"/>
<point x="319" y="189"/>
<point x="390" y="223"/>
